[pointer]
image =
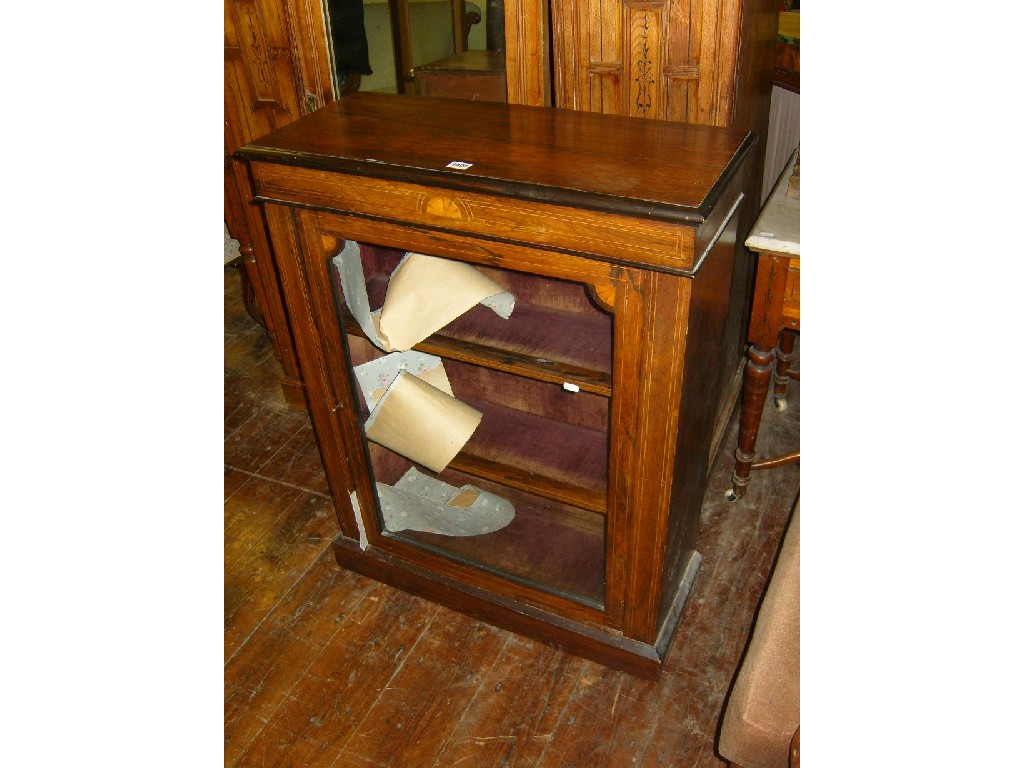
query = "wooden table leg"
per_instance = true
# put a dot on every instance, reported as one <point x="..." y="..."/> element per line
<point x="756" y="376"/>
<point x="765" y="324"/>
<point x="784" y="359"/>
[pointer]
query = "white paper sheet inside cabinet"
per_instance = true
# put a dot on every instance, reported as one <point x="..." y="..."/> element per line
<point x="353" y="285"/>
<point x="421" y="503"/>
<point x="425" y="293"/>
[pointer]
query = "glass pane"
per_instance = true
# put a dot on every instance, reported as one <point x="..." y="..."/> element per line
<point x="377" y="21"/>
<point x="362" y="35"/>
<point x="430" y="30"/>
<point x="523" y="491"/>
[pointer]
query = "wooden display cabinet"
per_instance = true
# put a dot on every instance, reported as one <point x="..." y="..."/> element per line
<point x="599" y="394"/>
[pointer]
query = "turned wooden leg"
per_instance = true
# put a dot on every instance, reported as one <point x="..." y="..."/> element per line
<point x="756" y="376"/>
<point x="784" y="359"/>
<point x="248" y="291"/>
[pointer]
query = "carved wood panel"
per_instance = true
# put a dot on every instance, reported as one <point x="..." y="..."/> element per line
<point x="256" y="56"/>
<point x="276" y="65"/>
<point x="666" y="59"/>
<point x="276" y="69"/>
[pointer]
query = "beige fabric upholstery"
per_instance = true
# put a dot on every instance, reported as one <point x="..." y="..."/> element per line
<point x="764" y="707"/>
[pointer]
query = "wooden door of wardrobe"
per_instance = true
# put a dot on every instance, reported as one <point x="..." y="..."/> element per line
<point x="666" y="59"/>
<point x="276" y="69"/>
<point x="276" y="65"/>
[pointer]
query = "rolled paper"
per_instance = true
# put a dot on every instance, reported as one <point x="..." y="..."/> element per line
<point x="425" y="293"/>
<point x="422" y="423"/>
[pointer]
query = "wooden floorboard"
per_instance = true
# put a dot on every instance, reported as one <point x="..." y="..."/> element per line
<point x="324" y="667"/>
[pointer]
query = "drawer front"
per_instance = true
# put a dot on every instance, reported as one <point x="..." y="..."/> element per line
<point x="621" y="239"/>
<point x="478" y="86"/>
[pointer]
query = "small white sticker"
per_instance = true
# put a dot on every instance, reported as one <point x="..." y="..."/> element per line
<point x="459" y="165"/>
<point x="570" y="387"/>
<point x="766" y="234"/>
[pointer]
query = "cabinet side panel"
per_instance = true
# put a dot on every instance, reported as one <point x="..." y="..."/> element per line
<point x="759" y="23"/>
<point x="702" y="383"/>
<point x="731" y="351"/>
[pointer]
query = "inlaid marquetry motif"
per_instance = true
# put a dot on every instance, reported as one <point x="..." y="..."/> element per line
<point x="643" y="23"/>
<point x="603" y="295"/>
<point x="331" y="243"/>
<point x="644" y="67"/>
<point x="445" y="207"/>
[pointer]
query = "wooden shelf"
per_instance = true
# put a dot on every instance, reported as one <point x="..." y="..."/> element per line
<point x="510" y="476"/>
<point x="558" y="461"/>
<point x="547" y="546"/>
<point x="537" y="342"/>
<point x="562" y="462"/>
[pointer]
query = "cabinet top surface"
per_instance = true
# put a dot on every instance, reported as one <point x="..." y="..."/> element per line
<point x="654" y="168"/>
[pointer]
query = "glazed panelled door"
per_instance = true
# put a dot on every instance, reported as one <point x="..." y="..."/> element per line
<point x="665" y="59"/>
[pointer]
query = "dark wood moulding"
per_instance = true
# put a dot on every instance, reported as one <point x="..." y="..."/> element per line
<point x="523" y="152"/>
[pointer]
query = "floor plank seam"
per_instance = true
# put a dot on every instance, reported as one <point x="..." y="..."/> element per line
<point x="470" y="704"/>
<point x="287" y="695"/>
<point x="558" y="723"/>
<point x="270" y="611"/>
<point x="278" y="481"/>
<point x="255" y="416"/>
<point x="387" y="685"/>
